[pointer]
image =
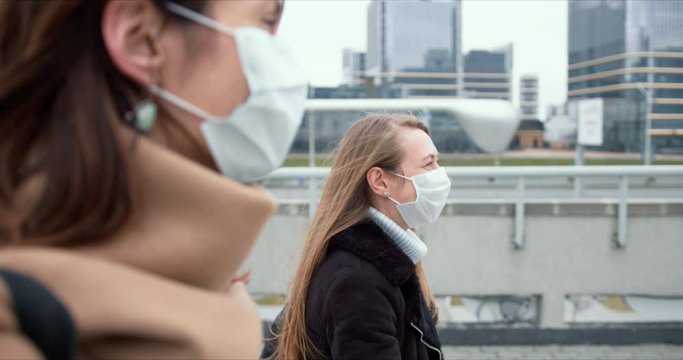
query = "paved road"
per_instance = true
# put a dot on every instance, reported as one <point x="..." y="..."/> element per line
<point x="552" y="352"/>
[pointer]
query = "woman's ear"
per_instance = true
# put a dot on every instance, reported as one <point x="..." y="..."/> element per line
<point x="377" y="181"/>
<point x="130" y="32"/>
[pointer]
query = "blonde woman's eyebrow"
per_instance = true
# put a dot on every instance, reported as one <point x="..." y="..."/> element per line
<point x="431" y="156"/>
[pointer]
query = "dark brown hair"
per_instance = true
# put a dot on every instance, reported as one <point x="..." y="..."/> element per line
<point x="60" y="95"/>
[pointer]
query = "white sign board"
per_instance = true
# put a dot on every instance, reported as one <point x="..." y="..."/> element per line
<point x="590" y="122"/>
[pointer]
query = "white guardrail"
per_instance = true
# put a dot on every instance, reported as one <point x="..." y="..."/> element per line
<point x="491" y="124"/>
<point x="522" y="176"/>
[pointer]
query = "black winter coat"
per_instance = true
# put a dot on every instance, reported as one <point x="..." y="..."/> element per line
<point x="365" y="302"/>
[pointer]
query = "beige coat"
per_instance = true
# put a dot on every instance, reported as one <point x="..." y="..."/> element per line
<point x="190" y="224"/>
<point x="163" y="318"/>
<point x="159" y="276"/>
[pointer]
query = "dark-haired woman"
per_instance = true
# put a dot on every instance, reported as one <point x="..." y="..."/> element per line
<point x="131" y="130"/>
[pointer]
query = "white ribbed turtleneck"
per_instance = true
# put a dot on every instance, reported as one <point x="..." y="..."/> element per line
<point x="406" y="240"/>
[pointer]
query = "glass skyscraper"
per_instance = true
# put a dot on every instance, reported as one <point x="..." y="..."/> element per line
<point x="488" y="74"/>
<point x="353" y="66"/>
<point x="622" y="51"/>
<point x="414" y="50"/>
<point x="415" y="46"/>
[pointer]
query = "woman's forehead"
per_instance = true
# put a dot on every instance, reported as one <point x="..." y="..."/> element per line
<point x="417" y="145"/>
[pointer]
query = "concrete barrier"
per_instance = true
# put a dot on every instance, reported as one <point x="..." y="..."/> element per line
<point x="569" y="249"/>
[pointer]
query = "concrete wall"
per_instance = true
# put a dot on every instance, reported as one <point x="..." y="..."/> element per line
<point x="568" y="249"/>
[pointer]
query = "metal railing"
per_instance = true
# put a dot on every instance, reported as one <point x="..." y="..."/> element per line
<point x="491" y="124"/>
<point x="522" y="176"/>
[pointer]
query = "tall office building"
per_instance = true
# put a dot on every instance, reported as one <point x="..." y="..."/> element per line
<point x="530" y="131"/>
<point x="415" y="46"/>
<point x="414" y="50"/>
<point x="623" y="51"/>
<point x="488" y="74"/>
<point x="528" y="97"/>
<point x="353" y="66"/>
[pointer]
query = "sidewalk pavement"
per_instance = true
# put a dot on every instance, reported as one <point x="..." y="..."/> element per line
<point x="559" y="154"/>
<point x="562" y="352"/>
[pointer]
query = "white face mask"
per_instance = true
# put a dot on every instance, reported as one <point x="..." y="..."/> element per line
<point x="255" y="138"/>
<point x="432" y="190"/>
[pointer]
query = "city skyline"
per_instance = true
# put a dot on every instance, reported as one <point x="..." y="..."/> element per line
<point x="537" y="30"/>
<point x="625" y="52"/>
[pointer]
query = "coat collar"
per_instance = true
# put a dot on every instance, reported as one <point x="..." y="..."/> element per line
<point x="367" y="241"/>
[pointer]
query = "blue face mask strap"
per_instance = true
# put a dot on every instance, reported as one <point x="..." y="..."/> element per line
<point x="198" y="18"/>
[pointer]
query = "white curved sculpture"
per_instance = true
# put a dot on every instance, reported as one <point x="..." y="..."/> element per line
<point x="490" y="123"/>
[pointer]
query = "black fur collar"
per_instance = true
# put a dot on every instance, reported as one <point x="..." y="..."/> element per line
<point x="370" y="243"/>
<point x="367" y="241"/>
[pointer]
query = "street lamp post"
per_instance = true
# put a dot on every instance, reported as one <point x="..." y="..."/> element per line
<point x="647" y="147"/>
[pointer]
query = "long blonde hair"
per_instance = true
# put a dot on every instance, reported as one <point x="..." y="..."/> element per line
<point x="372" y="141"/>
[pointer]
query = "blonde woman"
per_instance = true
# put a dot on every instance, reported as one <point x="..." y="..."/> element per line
<point x="360" y="291"/>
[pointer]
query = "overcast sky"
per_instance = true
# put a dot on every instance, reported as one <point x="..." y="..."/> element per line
<point x="318" y="30"/>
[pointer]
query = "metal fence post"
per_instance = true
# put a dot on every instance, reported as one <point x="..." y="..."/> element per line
<point x="578" y="161"/>
<point x="312" y="181"/>
<point x="622" y="216"/>
<point x="518" y="240"/>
